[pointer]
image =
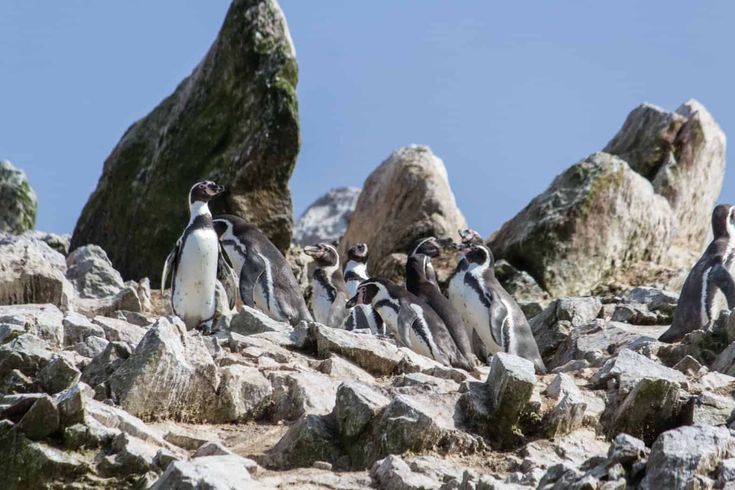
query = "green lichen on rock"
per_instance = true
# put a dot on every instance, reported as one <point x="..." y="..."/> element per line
<point x="234" y="120"/>
<point x="18" y="202"/>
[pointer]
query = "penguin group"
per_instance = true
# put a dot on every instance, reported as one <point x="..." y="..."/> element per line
<point x="222" y="260"/>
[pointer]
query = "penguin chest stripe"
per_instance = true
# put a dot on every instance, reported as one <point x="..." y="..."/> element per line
<point x="420" y="329"/>
<point x="471" y="281"/>
<point x="321" y="278"/>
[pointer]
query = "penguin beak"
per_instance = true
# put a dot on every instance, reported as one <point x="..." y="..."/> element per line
<point x="353" y="301"/>
<point x="312" y="251"/>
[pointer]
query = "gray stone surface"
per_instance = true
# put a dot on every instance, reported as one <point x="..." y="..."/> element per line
<point x="326" y="219"/>
<point x="92" y="273"/>
<point x="18" y="201"/>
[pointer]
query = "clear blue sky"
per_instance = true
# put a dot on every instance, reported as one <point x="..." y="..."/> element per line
<point x="507" y="93"/>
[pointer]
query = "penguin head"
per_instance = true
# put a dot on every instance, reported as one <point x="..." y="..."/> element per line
<point x="478" y="254"/>
<point x="324" y="255"/>
<point x="358" y="252"/>
<point x="369" y="291"/>
<point x="723" y="221"/>
<point x="470" y="237"/>
<point x="426" y="246"/>
<point x="204" y="191"/>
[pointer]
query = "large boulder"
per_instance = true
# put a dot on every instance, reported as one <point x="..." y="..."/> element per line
<point x="326" y="219"/>
<point x="233" y="120"/>
<point x="17" y="200"/>
<point x="91" y="272"/>
<point x="596" y="217"/>
<point x="406" y="197"/>
<point x="640" y="208"/>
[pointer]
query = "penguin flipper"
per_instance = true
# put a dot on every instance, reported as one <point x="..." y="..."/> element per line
<point x="252" y="269"/>
<point x="498" y="319"/>
<point x="724" y="281"/>
<point x="226" y="276"/>
<point x="406" y="318"/>
<point x="170" y="265"/>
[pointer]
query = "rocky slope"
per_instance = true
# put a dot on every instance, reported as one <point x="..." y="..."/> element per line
<point x="233" y="120"/>
<point x="326" y="219"/>
<point x="101" y="388"/>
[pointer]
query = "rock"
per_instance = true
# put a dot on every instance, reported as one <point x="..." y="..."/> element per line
<point x="58" y="375"/>
<point x="377" y="356"/>
<point x="32" y="272"/>
<point x="60" y="243"/>
<point x="17" y="200"/>
<point x="211" y="472"/>
<point x="568" y="414"/>
<point x="26" y="353"/>
<point x="494" y="408"/>
<point x="629" y="367"/>
<point x="44" y="321"/>
<point x="13" y="407"/>
<point x="114" y="418"/>
<point x="104" y="364"/>
<point x="406" y="197"/>
<point x="244" y="393"/>
<point x="171" y="374"/>
<point x="91" y="346"/>
<point x="249" y="321"/>
<point x="127" y="299"/>
<point x="312" y="438"/>
<point x="233" y="120"/>
<point x="91" y="272"/>
<point x="295" y="394"/>
<point x="655" y="299"/>
<point x="120" y="330"/>
<point x="597" y="217"/>
<point x="326" y="219"/>
<point x="680" y="456"/>
<point x="524" y="288"/>
<point x="339" y="368"/>
<point x="212" y="449"/>
<point x="41" y="420"/>
<point x="356" y="405"/>
<point x="554" y="325"/>
<point x="392" y="473"/>
<point x="683" y="155"/>
<point x="71" y="404"/>
<point x="131" y="455"/>
<point x="78" y="328"/>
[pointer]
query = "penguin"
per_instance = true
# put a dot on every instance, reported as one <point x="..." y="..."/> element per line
<point x="492" y="312"/>
<point x="197" y="263"/>
<point x="414" y="324"/>
<point x="329" y="290"/>
<point x="419" y="272"/>
<point x="696" y="305"/>
<point x="360" y="316"/>
<point x="455" y="290"/>
<point x="265" y="278"/>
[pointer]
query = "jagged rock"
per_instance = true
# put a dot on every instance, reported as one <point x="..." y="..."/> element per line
<point x="58" y="375"/>
<point x="114" y="418"/>
<point x="356" y="405"/>
<point x="26" y="353"/>
<point x="494" y="407"/>
<point x="296" y="394"/>
<point x="683" y="155"/>
<point x="393" y="473"/>
<point x="60" y="243"/>
<point x="213" y="472"/>
<point x="555" y="324"/>
<point x="91" y="347"/>
<point x="104" y="364"/>
<point x="13" y="407"/>
<point x="406" y="197"/>
<point x="18" y="202"/>
<point x="78" y="328"/>
<point x="708" y="408"/>
<point x="680" y="456"/>
<point x="130" y="455"/>
<point x="376" y="356"/>
<point x="233" y="120"/>
<point x="41" y="420"/>
<point x="326" y="219"/>
<point x="599" y="216"/>
<point x="568" y="414"/>
<point x="316" y="478"/>
<point x="170" y="374"/>
<point x="339" y="368"/>
<point x="120" y="330"/>
<point x="657" y="300"/>
<point x="44" y="321"/>
<point x="629" y="367"/>
<point x="91" y="272"/>
<point x="244" y="393"/>
<point x="71" y="404"/>
<point x="312" y="438"/>
<point x="32" y="272"/>
<point x="249" y="321"/>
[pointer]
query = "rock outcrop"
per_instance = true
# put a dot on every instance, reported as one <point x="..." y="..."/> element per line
<point x="646" y="199"/>
<point x="18" y="202"/>
<point x="327" y="218"/>
<point x="407" y="197"/>
<point x="233" y="120"/>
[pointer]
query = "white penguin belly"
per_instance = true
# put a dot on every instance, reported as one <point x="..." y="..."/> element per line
<point x="196" y="278"/>
<point x="478" y="315"/>
<point x="455" y="292"/>
<point x="321" y="304"/>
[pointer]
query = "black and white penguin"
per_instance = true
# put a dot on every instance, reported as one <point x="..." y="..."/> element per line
<point x="329" y="294"/>
<point x="196" y="262"/>
<point x="696" y="305"/>
<point x="455" y="290"/>
<point x="411" y="320"/>
<point x="265" y="279"/>
<point x="419" y="274"/>
<point x="360" y="316"/>
<point x="492" y="312"/>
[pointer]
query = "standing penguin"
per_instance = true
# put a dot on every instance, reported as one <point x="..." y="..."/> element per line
<point x="196" y="261"/>
<point x="492" y="312"/>
<point x="418" y="273"/>
<point x="360" y="316"/>
<point x="329" y="293"/>
<point x="265" y="278"/>
<point x="695" y="308"/>
<point x="455" y="291"/>
<point x="412" y="321"/>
